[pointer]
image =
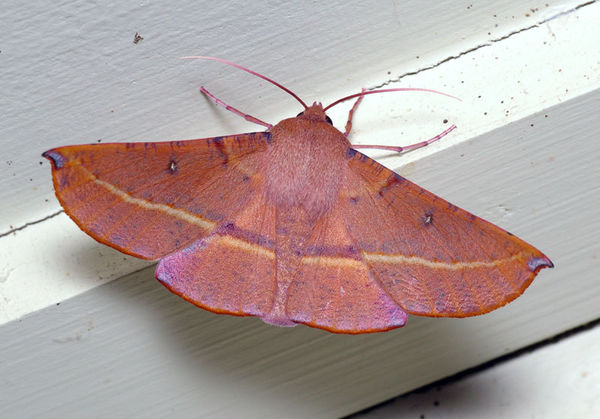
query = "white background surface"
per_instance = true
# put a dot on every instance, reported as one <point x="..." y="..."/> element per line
<point x="71" y="74"/>
<point x="557" y="381"/>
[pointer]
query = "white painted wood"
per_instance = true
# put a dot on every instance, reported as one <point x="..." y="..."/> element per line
<point x="558" y="381"/>
<point x="72" y="74"/>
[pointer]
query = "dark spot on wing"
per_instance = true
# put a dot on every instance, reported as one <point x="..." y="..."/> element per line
<point x="255" y="137"/>
<point x="173" y="168"/>
<point x="230" y="229"/>
<point x="428" y="218"/>
<point x="399" y="178"/>
<point x="226" y="228"/>
<point x="220" y="146"/>
<point x="452" y="207"/>
<point x="350" y="152"/>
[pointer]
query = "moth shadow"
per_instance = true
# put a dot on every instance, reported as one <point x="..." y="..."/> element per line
<point x="470" y="395"/>
<point x="257" y="362"/>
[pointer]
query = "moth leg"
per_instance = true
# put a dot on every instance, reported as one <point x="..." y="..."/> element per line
<point x="399" y="149"/>
<point x="351" y="113"/>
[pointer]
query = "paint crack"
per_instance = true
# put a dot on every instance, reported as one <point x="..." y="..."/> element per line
<point x="29" y="224"/>
<point x="484" y="45"/>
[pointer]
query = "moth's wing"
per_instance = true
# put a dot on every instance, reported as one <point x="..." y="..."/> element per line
<point x="232" y="270"/>
<point x="429" y="256"/>
<point x="151" y="199"/>
<point x="333" y="288"/>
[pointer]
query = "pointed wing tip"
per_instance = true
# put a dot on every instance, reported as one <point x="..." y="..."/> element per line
<point x="58" y="161"/>
<point x="536" y="263"/>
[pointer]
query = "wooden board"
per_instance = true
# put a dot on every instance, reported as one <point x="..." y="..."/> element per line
<point x="73" y="74"/>
<point x="561" y="380"/>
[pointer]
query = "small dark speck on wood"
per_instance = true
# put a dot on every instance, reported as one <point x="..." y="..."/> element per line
<point x="137" y="38"/>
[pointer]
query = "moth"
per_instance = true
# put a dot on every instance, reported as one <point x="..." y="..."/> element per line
<point x="292" y="225"/>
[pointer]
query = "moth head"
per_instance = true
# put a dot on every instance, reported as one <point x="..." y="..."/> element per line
<point x="315" y="113"/>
